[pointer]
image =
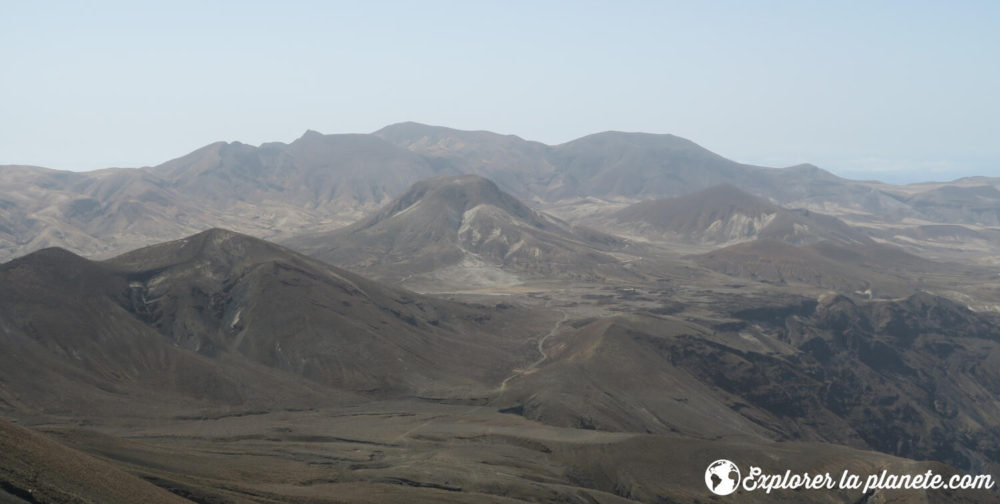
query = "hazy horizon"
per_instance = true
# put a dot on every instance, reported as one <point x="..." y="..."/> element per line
<point x="900" y="92"/>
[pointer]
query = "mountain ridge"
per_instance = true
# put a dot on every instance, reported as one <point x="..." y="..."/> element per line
<point x="322" y="182"/>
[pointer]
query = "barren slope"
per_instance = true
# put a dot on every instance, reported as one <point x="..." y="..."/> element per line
<point x="464" y="230"/>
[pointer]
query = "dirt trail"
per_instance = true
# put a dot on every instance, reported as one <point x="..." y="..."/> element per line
<point x="541" y="350"/>
<point x="503" y="385"/>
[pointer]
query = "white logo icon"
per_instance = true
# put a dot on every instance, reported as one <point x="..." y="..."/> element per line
<point x="722" y="477"/>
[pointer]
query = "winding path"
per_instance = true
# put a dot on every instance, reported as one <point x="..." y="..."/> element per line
<point x="541" y="350"/>
<point x="503" y="385"/>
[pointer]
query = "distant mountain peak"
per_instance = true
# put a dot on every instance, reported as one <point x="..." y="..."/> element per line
<point x="410" y="125"/>
<point x="409" y="130"/>
<point x="463" y="227"/>
<point x="635" y="139"/>
<point x="472" y="187"/>
<point x="459" y="193"/>
<point x="408" y="133"/>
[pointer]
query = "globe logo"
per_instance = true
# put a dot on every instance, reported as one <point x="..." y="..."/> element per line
<point x="722" y="477"/>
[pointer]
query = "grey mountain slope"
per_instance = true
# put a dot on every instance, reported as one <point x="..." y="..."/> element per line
<point x="723" y="214"/>
<point x="617" y="164"/>
<point x="639" y="166"/>
<point x="327" y="173"/>
<point x="642" y="165"/>
<point x="962" y="243"/>
<point x="98" y="213"/>
<point x="316" y="182"/>
<point x="757" y="239"/>
<point x="517" y="165"/>
<point x="959" y="204"/>
<point x="877" y="269"/>
<point x="468" y="224"/>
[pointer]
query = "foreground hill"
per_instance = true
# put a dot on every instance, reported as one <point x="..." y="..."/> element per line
<point x="465" y="230"/>
<point x="35" y="469"/>
<point x="225" y="319"/>
<point x="290" y="312"/>
<point x="72" y="346"/>
<point x="228" y="369"/>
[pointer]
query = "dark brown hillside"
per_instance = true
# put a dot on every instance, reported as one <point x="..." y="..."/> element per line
<point x="221" y="367"/>
<point x="914" y="377"/>
<point x="71" y="346"/>
<point x="219" y="293"/>
<point x="230" y="321"/>
<point x="36" y="469"/>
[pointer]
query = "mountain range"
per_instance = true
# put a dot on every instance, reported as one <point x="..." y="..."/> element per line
<point x="424" y="314"/>
<point x="322" y="182"/>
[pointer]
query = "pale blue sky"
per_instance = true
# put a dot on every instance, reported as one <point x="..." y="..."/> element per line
<point x="909" y="90"/>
